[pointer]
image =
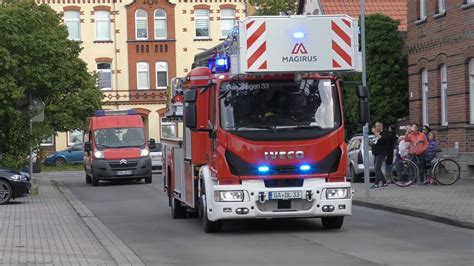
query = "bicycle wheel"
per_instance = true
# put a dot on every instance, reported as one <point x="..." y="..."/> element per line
<point x="447" y="171"/>
<point x="404" y="173"/>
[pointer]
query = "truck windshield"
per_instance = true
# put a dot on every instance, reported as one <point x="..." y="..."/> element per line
<point x="279" y="105"/>
<point x="119" y="138"/>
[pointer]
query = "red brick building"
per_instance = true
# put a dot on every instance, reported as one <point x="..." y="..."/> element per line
<point x="440" y="44"/>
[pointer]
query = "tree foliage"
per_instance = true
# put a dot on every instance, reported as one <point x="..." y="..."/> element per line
<point x="273" y="7"/>
<point x="38" y="61"/>
<point x="386" y="74"/>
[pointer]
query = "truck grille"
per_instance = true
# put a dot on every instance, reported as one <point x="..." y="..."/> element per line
<point x="295" y="205"/>
<point x="119" y="166"/>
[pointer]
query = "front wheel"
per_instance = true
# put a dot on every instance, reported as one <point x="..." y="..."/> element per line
<point x="95" y="181"/>
<point x="88" y="179"/>
<point x="59" y="161"/>
<point x="447" y="171"/>
<point x="404" y="173"/>
<point x="6" y="192"/>
<point x="334" y="222"/>
<point x="148" y="179"/>
<point x="208" y="225"/>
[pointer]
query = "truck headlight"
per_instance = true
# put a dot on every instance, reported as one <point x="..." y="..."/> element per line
<point x="337" y="193"/>
<point x="229" y="196"/>
<point x="144" y="152"/>
<point x="99" y="154"/>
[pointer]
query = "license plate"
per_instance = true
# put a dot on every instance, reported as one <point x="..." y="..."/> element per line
<point x="285" y="195"/>
<point x="128" y="172"/>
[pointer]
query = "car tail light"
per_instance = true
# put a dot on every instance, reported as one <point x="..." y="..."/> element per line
<point x="360" y="160"/>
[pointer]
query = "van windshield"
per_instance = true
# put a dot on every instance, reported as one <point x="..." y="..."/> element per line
<point x="119" y="138"/>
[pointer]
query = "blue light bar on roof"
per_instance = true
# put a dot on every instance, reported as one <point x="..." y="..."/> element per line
<point x="116" y="112"/>
<point x="219" y="64"/>
<point x="298" y="35"/>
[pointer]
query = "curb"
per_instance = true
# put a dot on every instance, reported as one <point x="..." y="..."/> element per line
<point x="116" y="248"/>
<point x="418" y="214"/>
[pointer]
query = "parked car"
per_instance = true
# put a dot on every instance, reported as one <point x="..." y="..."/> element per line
<point x="71" y="155"/>
<point x="156" y="156"/>
<point x="13" y="184"/>
<point x="355" y="158"/>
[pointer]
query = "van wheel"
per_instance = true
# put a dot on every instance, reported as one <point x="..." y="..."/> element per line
<point x="148" y="179"/>
<point x="88" y="179"/>
<point x="208" y="226"/>
<point x="354" y="177"/>
<point x="334" y="222"/>
<point x="95" y="181"/>
<point x="177" y="211"/>
<point x="6" y="192"/>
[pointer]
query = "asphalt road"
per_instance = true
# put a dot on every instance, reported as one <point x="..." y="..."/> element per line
<point x="139" y="215"/>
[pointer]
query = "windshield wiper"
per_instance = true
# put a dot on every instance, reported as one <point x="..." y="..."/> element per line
<point x="308" y="127"/>
<point x="257" y="127"/>
<point x="102" y="146"/>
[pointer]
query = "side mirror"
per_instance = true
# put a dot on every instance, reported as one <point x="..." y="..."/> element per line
<point x="151" y="143"/>
<point x="362" y="92"/>
<point x="69" y="150"/>
<point x="364" y="111"/>
<point x="87" y="146"/>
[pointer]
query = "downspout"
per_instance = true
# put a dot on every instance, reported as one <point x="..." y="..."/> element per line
<point x="115" y="53"/>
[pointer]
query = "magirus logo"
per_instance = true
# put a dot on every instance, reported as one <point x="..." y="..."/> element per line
<point x="299" y="48"/>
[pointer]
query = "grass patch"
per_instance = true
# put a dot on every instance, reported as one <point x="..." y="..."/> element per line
<point x="66" y="167"/>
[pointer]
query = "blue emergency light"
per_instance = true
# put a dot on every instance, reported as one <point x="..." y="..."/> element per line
<point x="117" y="112"/>
<point x="298" y="35"/>
<point x="219" y="64"/>
<point x="305" y="167"/>
<point x="263" y="169"/>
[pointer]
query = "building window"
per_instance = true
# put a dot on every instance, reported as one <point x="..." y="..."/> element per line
<point x="471" y="89"/>
<point x="104" y="78"/>
<point x="141" y="24"/>
<point x="424" y="93"/>
<point x="161" y="75"/>
<point x="421" y="9"/>
<point x="160" y="24"/>
<point x="444" y="94"/>
<point x="441" y="8"/>
<point x="143" y="74"/>
<point x="102" y="25"/>
<point x="74" y="137"/>
<point x="227" y="21"/>
<point x="202" y="23"/>
<point x="49" y="141"/>
<point x="73" y="24"/>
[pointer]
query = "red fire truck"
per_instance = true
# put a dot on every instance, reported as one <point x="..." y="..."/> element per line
<point x="260" y="131"/>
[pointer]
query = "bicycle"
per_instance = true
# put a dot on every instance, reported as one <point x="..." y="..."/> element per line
<point x="443" y="169"/>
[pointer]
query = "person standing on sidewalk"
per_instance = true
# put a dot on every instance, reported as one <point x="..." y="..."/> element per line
<point x="418" y="146"/>
<point x="379" y="150"/>
<point x="392" y="141"/>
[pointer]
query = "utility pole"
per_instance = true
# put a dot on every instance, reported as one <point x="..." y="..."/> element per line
<point x="364" y="83"/>
<point x="30" y="169"/>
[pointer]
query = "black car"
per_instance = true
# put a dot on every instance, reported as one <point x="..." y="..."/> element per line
<point x="13" y="184"/>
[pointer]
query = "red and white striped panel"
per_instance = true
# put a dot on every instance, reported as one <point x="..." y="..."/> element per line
<point x="342" y="43"/>
<point x="256" y="45"/>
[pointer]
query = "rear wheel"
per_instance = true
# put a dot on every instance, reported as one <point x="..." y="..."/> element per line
<point x="177" y="211"/>
<point x="59" y="161"/>
<point x="404" y="173"/>
<point x="6" y="191"/>
<point x="334" y="222"/>
<point x="447" y="171"/>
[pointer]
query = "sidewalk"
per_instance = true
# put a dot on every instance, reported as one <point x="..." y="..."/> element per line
<point x="54" y="228"/>
<point x="452" y="205"/>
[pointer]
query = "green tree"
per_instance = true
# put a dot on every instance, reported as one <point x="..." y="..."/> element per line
<point x="38" y="61"/>
<point x="386" y="75"/>
<point x="273" y="7"/>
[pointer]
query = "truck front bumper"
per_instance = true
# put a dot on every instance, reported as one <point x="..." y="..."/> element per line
<point x="117" y="169"/>
<point x="258" y="204"/>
